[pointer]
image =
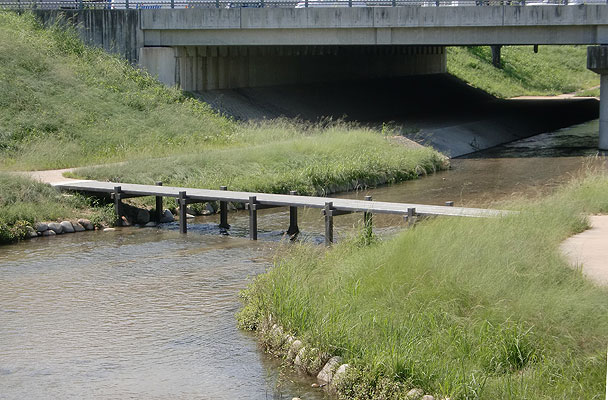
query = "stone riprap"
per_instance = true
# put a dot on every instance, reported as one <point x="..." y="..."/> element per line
<point x="329" y="371"/>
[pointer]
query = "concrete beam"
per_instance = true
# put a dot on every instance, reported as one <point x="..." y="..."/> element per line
<point x="374" y="17"/>
<point x="461" y="36"/>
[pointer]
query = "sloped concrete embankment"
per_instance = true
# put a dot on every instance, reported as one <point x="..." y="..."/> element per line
<point x="438" y="110"/>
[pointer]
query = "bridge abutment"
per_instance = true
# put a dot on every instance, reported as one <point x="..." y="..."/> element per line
<point x="200" y="68"/>
<point x="597" y="61"/>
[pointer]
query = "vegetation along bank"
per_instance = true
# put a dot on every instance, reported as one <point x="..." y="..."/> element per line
<point x="460" y="308"/>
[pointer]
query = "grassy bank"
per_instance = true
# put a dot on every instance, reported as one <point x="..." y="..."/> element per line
<point x="553" y="70"/>
<point x="70" y="105"/>
<point x="64" y="104"/>
<point x="465" y="308"/>
<point x="23" y="202"/>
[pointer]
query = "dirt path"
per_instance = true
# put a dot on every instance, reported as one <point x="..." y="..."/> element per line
<point x="52" y="176"/>
<point x="557" y="97"/>
<point x="589" y="250"/>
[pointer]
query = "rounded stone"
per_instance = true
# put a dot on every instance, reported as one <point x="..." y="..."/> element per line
<point x="66" y="227"/>
<point x="327" y="373"/>
<point x="78" y="227"/>
<point x="167" y="217"/>
<point x="414" y="394"/>
<point x="109" y="229"/>
<point x="41" y="227"/>
<point x="299" y="361"/>
<point x="143" y="217"/>
<point x="294" y="349"/>
<point x="88" y="225"/>
<point x="49" y="232"/>
<point x="55" y="227"/>
<point x="31" y="232"/>
<point x="428" y="397"/>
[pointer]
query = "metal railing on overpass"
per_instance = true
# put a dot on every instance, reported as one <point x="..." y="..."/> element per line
<point x="189" y="4"/>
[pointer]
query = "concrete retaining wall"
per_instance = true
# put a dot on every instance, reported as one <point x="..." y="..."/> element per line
<point x="199" y="68"/>
<point x="116" y="31"/>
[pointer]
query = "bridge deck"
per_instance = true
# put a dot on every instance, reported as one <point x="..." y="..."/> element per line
<point x="264" y="199"/>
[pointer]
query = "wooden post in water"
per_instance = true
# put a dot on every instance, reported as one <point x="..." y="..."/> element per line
<point x="118" y="204"/>
<point x="183" y="224"/>
<point x="411" y="213"/>
<point x="253" y="218"/>
<point x="293" y="218"/>
<point x="159" y="205"/>
<point x="367" y="221"/>
<point x="329" y="223"/>
<point x="224" y="226"/>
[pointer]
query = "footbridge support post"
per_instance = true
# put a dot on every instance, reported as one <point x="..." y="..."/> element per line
<point x="597" y="61"/>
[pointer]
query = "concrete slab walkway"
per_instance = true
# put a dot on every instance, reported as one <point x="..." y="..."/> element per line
<point x="589" y="250"/>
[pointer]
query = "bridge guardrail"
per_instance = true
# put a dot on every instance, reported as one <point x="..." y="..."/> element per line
<point x="188" y="4"/>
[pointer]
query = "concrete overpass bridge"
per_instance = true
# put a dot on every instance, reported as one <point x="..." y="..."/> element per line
<point x="205" y="48"/>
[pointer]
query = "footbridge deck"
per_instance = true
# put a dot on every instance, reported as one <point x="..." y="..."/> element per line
<point x="256" y="201"/>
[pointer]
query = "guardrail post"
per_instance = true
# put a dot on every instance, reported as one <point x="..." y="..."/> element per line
<point x="224" y="226"/>
<point x="367" y="222"/>
<point x="253" y="218"/>
<point x="306" y="3"/>
<point x="293" y="217"/>
<point x="350" y="3"/>
<point x="329" y="223"/>
<point x="262" y="4"/>
<point x="172" y="3"/>
<point x="182" y="200"/>
<point x="159" y="205"/>
<point x="394" y="3"/>
<point x="80" y="4"/>
<point x="118" y="204"/>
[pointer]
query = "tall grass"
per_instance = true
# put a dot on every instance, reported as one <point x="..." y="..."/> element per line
<point x="465" y="308"/>
<point x="554" y="70"/>
<point x="318" y="162"/>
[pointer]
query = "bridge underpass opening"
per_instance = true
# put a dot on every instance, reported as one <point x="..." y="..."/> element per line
<point x="201" y="68"/>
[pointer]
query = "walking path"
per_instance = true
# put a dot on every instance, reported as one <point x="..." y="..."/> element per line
<point x="52" y="176"/>
<point x="589" y="250"/>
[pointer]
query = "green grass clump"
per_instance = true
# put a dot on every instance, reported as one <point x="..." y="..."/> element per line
<point x="465" y="308"/>
<point x="313" y="161"/>
<point x="554" y="70"/>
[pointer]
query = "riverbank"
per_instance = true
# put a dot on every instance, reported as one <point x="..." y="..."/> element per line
<point x="25" y="202"/>
<point x="458" y="307"/>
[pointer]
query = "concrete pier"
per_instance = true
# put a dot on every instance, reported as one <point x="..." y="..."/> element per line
<point x="597" y="61"/>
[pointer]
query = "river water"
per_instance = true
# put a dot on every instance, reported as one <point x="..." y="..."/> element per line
<point x="149" y="313"/>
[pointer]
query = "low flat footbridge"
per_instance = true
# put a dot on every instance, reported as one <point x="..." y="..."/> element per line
<point x="255" y="201"/>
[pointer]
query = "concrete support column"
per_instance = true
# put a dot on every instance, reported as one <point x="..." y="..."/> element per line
<point x="597" y="61"/>
<point x="604" y="112"/>
<point x="160" y="62"/>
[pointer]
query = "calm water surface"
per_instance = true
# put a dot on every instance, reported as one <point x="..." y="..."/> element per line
<point x="148" y="313"/>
